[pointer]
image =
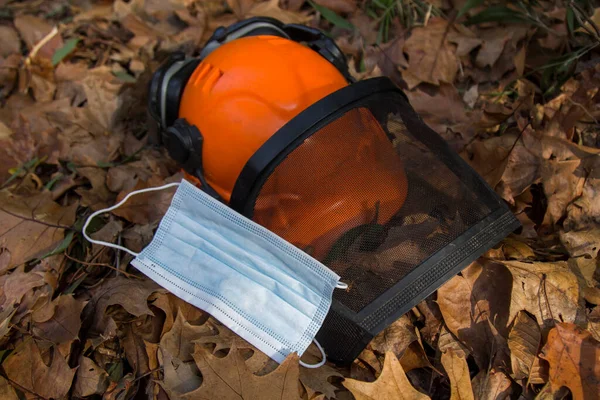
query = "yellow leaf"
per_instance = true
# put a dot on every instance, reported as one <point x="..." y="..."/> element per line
<point x="458" y="371"/>
<point x="392" y="384"/>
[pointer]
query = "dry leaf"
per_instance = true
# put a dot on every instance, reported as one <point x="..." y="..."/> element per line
<point x="474" y="322"/>
<point x="524" y="341"/>
<point x="33" y="30"/>
<point x="430" y="58"/>
<point x="179" y="341"/>
<point x="179" y="377"/>
<point x="229" y="378"/>
<point x="392" y="384"/>
<point x="270" y="8"/>
<point x="10" y="43"/>
<point x="64" y="324"/>
<point x="131" y="294"/>
<point x="395" y="338"/>
<point x="548" y="291"/>
<point x="573" y="356"/>
<point x="146" y="208"/>
<point x="7" y="392"/>
<point x="31" y="226"/>
<point x="492" y="385"/>
<point x="447" y="341"/>
<point x="458" y="371"/>
<point x="316" y="380"/>
<point x="90" y="379"/>
<point x="26" y="367"/>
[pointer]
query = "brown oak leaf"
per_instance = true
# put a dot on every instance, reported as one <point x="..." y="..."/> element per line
<point x="229" y="378"/>
<point x="26" y="367"/>
<point x="573" y="356"/>
<point x="392" y="384"/>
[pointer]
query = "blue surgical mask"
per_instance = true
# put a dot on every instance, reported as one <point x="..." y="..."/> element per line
<point x="269" y="292"/>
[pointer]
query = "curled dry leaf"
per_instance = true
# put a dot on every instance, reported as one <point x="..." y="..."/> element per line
<point x="131" y="294"/>
<point x="229" y="378"/>
<point x="26" y="367"/>
<point x="573" y="356"/>
<point x="392" y="384"/>
<point x="395" y="338"/>
<point x="458" y="371"/>
<point x="31" y="226"/>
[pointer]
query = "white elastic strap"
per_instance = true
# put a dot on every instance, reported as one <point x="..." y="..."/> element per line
<point x="320" y="363"/>
<point x="119" y="204"/>
<point x="341" y="285"/>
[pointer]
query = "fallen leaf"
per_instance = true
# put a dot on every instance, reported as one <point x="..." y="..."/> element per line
<point x="270" y="8"/>
<point x="179" y="377"/>
<point x="98" y="196"/>
<point x="339" y="6"/>
<point x="476" y="321"/>
<point x="7" y="392"/>
<point x="17" y="284"/>
<point x="146" y="208"/>
<point x="33" y="30"/>
<point x="458" y="371"/>
<point x="447" y="341"/>
<point x="392" y="384"/>
<point x="516" y="250"/>
<point x="548" y="291"/>
<point x="131" y="294"/>
<point x="573" y="356"/>
<point x="229" y="378"/>
<point x="26" y="367"/>
<point x="179" y="341"/>
<point x="11" y="43"/>
<point x="90" y="379"/>
<point x="492" y="385"/>
<point x="64" y="324"/>
<point x="395" y="338"/>
<point x="524" y="341"/>
<point x="102" y="92"/>
<point x="431" y="58"/>
<point x="32" y="226"/>
<point x="316" y="380"/>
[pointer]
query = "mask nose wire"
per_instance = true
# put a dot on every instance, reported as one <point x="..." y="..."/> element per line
<point x="119" y="204"/>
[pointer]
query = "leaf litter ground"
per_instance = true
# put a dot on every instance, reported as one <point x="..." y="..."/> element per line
<point x="512" y="88"/>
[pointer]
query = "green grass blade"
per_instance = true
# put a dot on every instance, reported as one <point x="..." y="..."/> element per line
<point x="332" y="17"/>
<point x="64" y="51"/>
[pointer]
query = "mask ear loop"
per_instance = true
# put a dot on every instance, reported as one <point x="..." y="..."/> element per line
<point x="119" y="204"/>
<point x="339" y="285"/>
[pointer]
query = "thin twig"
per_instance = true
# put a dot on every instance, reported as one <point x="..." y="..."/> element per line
<point x="36" y="220"/>
<point x="92" y="264"/>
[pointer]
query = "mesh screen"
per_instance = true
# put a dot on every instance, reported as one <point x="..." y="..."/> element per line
<point x="369" y="199"/>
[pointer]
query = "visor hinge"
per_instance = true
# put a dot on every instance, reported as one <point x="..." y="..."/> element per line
<point x="184" y="144"/>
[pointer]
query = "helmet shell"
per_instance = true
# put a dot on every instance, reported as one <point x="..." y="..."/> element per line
<point x="245" y="91"/>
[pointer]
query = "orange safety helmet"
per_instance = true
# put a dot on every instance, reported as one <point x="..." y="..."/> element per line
<point x="267" y="120"/>
<point x="240" y="93"/>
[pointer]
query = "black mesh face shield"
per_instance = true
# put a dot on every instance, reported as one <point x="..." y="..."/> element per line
<point x="358" y="181"/>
